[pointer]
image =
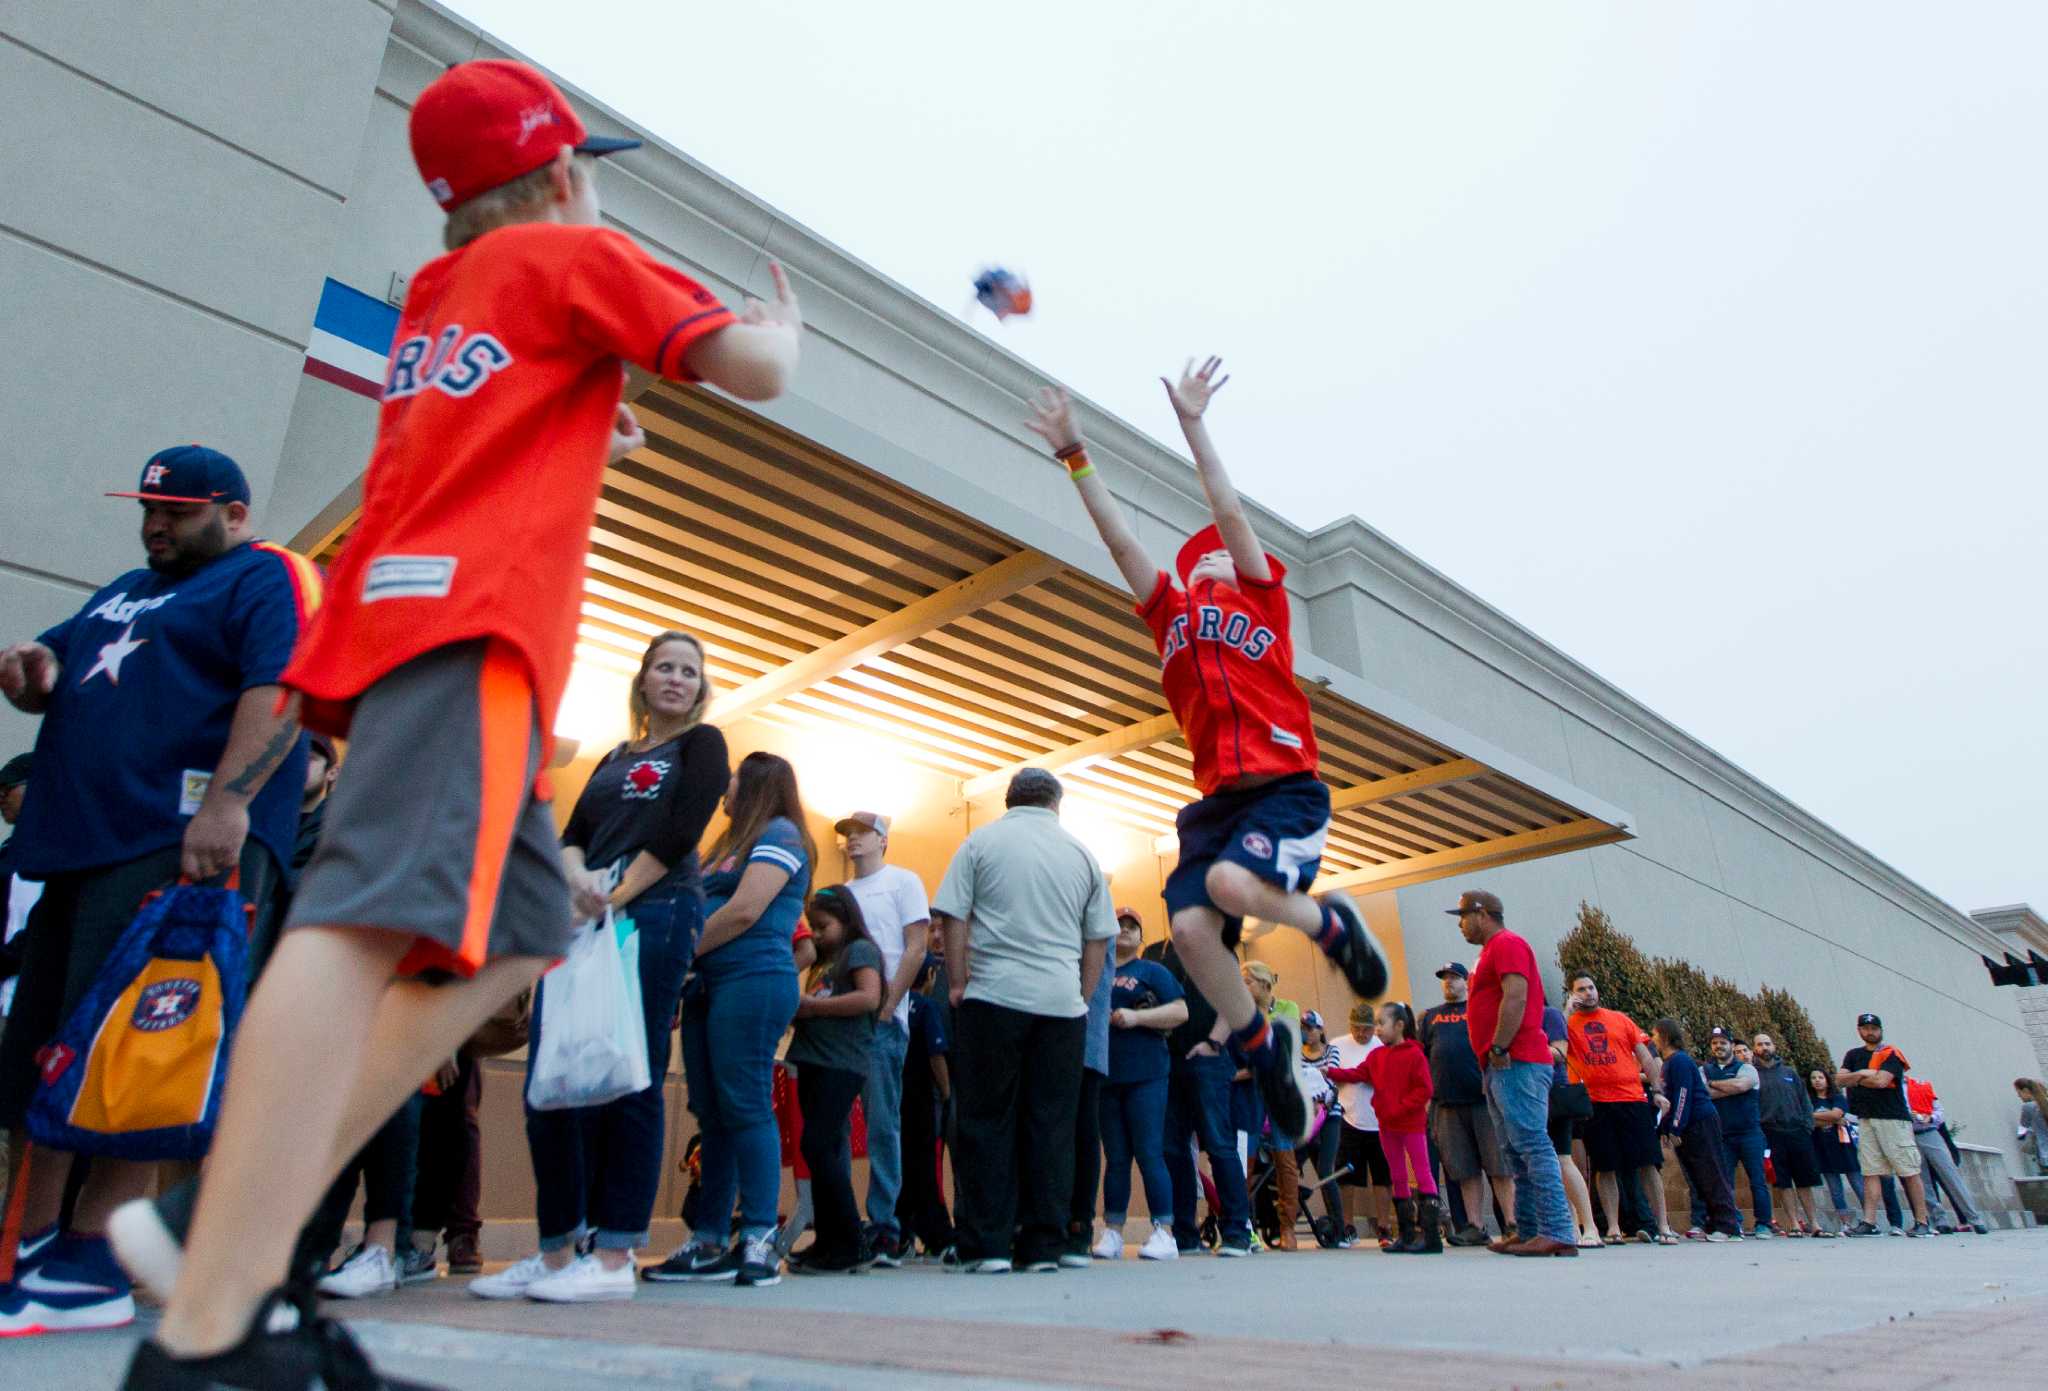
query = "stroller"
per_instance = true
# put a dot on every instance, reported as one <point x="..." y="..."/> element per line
<point x="1328" y="1231"/>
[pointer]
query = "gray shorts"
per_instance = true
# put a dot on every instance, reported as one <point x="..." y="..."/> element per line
<point x="434" y="828"/>
<point x="1466" y="1142"/>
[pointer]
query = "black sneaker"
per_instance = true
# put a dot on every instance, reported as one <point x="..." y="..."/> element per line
<point x="812" y="1261"/>
<point x="1862" y="1229"/>
<point x="696" y="1264"/>
<point x="760" y="1264"/>
<point x="1239" y="1244"/>
<point x="1357" y="953"/>
<point x="1920" y="1229"/>
<point x="886" y="1245"/>
<point x="1468" y="1235"/>
<point x="1284" y="1083"/>
<point x="311" y="1354"/>
<point x="417" y="1267"/>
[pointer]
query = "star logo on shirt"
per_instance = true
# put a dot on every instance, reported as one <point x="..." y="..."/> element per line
<point x="113" y="654"/>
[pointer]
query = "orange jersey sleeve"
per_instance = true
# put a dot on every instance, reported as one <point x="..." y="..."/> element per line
<point x="624" y="302"/>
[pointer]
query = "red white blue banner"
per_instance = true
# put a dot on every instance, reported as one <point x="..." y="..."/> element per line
<point x="351" y="341"/>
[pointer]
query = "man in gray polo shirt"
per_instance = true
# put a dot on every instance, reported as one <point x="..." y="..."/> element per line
<point x="1028" y="922"/>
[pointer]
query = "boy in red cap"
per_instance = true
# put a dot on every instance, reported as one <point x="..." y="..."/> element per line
<point x="1251" y="846"/>
<point x="437" y="894"/>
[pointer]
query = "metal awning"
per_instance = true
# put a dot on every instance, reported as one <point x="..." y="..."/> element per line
<point x="829" y="596"/>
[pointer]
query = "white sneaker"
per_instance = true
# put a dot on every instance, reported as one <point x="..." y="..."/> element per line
<point x="585" y="1281"/>
<point x="1160" y="1246"/>
<point x="369" y="1271"/>
<point x="511" y="1282"/>
<point x="1110" y="1245"/>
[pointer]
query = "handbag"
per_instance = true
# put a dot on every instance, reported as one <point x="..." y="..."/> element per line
<point x="1570" y="1101"/>
<point x="138" y="1069"/>
<point x="506" y="1031"/>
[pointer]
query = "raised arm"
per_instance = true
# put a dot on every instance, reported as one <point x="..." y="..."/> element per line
<point x="754" y="359"/>
<point x="1190" y="399"/>
<point x="1053" y="421"/>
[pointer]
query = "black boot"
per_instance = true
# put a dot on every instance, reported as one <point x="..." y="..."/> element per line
<point x="1429" y="1217"/>
<point x="1409" y="1240"/>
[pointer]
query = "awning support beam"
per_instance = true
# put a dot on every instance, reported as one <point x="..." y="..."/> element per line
<point x="1487" y="854"/>
<point x="1401" y="784"/>
<point x="1143" y="734"/>
<point x="991" y="586"/>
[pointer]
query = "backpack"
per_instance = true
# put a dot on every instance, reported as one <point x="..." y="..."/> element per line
<point x="138" y="1069"/>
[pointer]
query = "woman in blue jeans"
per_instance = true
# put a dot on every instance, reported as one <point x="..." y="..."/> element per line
<point x="740" y="997"/>
<point x="1145" y="1004"/>
<point x="631" y="845"/>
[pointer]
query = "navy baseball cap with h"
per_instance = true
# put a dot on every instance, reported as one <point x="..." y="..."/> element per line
<point x="191" y="473"/>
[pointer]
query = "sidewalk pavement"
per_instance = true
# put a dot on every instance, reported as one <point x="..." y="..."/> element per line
<point x="1865" y="1314"/>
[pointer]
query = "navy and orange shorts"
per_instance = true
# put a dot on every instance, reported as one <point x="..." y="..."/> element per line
<point x="434" y="828"/>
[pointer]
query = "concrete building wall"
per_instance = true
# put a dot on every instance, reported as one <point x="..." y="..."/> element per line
<point x="175" y="178"/>
<point x="218" y="169"/>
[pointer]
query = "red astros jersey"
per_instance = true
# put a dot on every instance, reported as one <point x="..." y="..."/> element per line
<point x="491" y="444"/>
<point x="1227" y="664"/>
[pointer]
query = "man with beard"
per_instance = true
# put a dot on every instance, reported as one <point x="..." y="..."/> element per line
<point x="161" y="756"/>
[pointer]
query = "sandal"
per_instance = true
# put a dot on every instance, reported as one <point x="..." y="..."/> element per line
<point x="1665" y="1239"/>
<point x="1590" y="1242"/>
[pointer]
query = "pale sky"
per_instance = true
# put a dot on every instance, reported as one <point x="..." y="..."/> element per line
<point x="1697" y="338"/>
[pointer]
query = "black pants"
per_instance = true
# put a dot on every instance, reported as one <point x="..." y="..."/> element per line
<point x="826" y="1095"/>
<point x="1699" y="1150"/>
<point x="446" y="1194"/>
<point x="1087" y="1160"/>
<point x="921" y="1206"/>
<point x="1018" y="1085"/>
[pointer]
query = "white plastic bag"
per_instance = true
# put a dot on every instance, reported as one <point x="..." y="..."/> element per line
<point x="593" y="1036"/>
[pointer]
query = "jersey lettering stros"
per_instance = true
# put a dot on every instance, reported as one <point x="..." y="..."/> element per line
<point x="1226" y="659"/>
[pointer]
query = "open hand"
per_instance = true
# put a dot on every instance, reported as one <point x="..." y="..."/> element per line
<point x="1053" y="418"/>
<point x="627" y="435"/>
<point x="783" y="311"/>
<point x="1197" y="386"/>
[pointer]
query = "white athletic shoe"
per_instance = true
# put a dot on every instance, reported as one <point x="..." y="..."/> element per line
<point x="585" y="1281"/>
<point x="368" y="1272"/>
<point x="1110" y="1245"/>
<point x="511" y="1282"/>
<point x="1160" y="1246"/>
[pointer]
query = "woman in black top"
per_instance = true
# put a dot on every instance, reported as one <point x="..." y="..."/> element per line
<point x="631" y="845"/>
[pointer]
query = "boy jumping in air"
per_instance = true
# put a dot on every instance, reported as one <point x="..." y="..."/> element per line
<point x="1251" y="846"/>
<point x="437" y="893"/>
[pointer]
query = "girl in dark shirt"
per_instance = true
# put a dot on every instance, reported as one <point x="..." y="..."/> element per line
<point x="835" y="1030"/>
<point x="631" y="845"/>
<point x="1834" y="1144"/>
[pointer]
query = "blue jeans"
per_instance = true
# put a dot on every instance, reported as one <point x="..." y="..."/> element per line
<point x="883" y="1097"/>
<point x="1845" y="1201"/>
<point x="1518" y="1096"/>
<point x="1198" y="1110"/>
<point x="730" y="1029"/>
<point x="1134" y="1128"/>
<point x="1745" y="1149"/>
<point x="599" y="1166"/>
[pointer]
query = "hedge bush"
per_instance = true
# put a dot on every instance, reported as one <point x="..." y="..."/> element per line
<point x="1647" y="989"/>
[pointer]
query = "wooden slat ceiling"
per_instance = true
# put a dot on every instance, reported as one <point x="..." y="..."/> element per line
<point x="769" y="548"/>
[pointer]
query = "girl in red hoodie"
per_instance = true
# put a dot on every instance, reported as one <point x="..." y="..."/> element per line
<point x="1399" y="1074"/>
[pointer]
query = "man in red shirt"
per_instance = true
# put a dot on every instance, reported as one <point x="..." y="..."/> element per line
<point x="1505" y="1018"/>
<point x="1612" y="1057"/>
<point x="446" y="642"/>
<point x="1251" y="846"/>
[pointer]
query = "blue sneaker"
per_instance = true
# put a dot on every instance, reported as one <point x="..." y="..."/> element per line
<point x="72" y="1287"/>
<point x="30" y="1252"/>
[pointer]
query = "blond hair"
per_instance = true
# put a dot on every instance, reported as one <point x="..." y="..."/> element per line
<point x="523" y="199"/>
<point x="638" y="716"/>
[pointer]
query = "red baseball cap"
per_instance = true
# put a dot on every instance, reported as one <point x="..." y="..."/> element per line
<point x="485" y="123"/>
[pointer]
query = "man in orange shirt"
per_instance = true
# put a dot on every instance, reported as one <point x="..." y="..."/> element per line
<point x="437" y="893"/>
<point x="1612" y="1057"/>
